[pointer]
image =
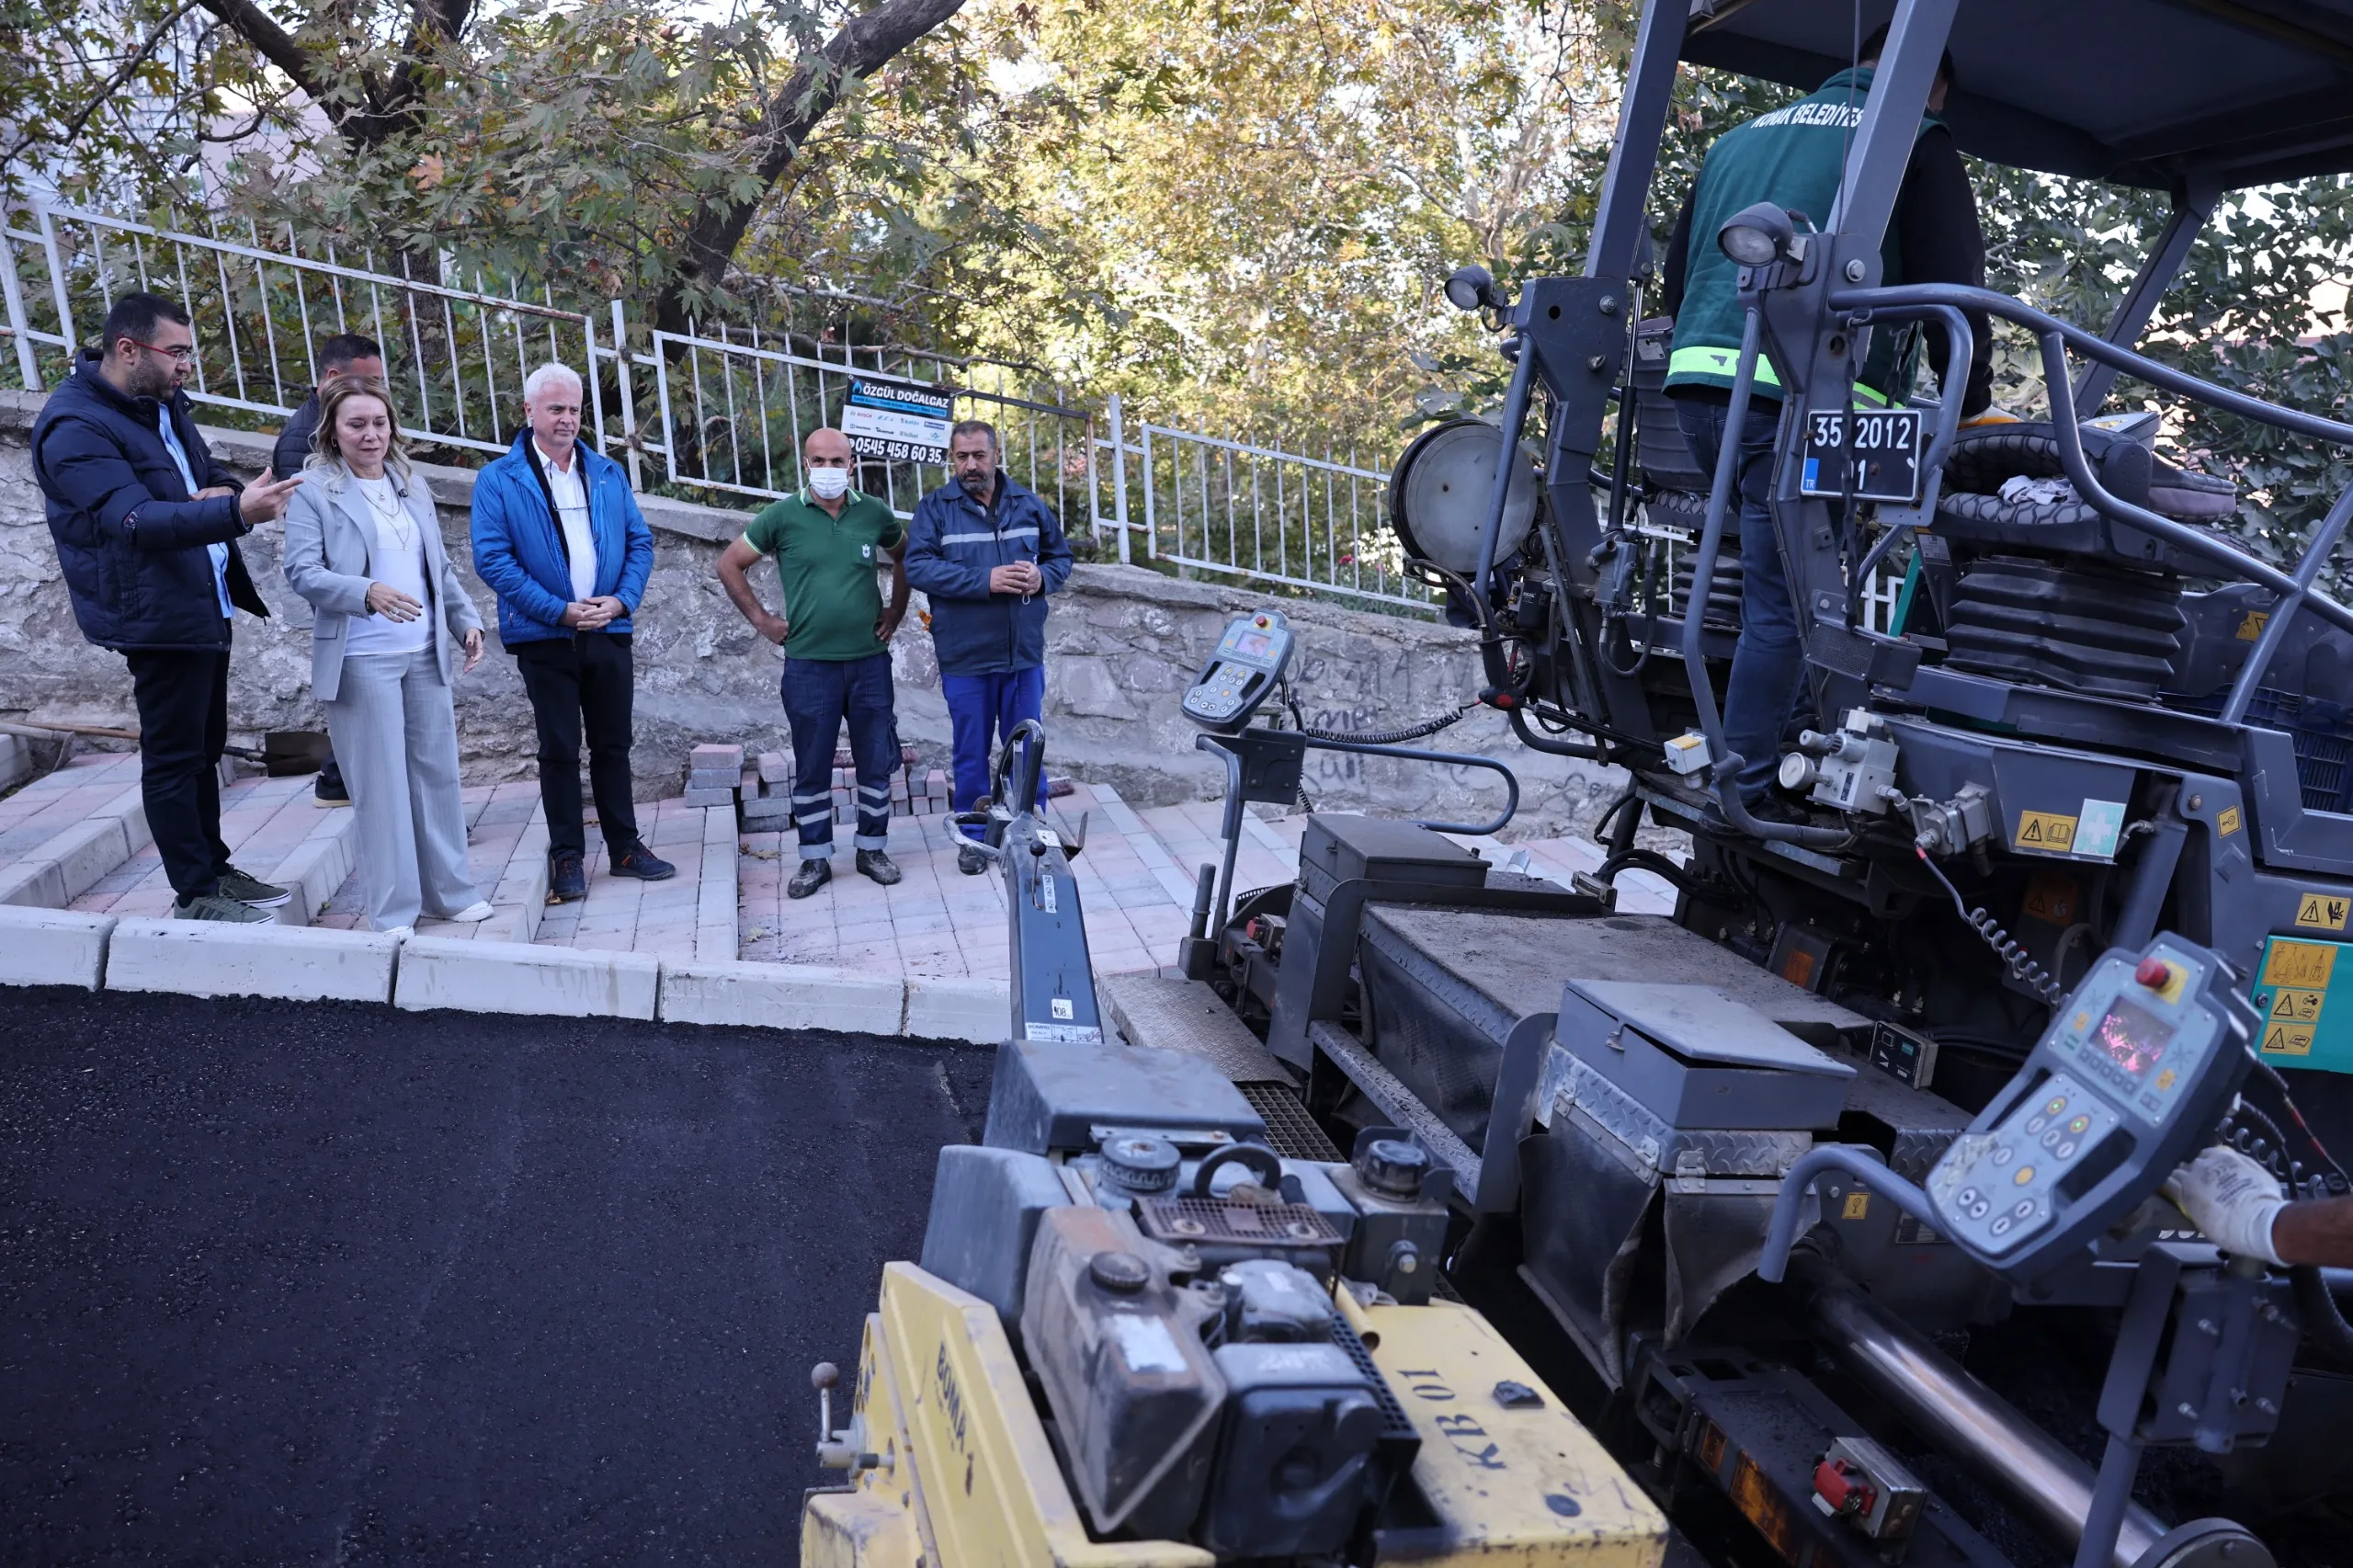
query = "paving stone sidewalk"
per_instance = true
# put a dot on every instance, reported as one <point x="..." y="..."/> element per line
<point x="1135" y="877"/>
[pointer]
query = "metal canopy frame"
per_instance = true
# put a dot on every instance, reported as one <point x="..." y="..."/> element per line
<point x="1812" y="317"/>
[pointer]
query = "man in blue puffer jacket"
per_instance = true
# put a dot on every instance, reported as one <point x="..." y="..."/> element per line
<point x="146" y="526"/>
<point x="560" y="539"/>
<point x="986" y="552"/>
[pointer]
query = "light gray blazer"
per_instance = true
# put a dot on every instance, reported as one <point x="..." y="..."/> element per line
<point x="330" y="543"/>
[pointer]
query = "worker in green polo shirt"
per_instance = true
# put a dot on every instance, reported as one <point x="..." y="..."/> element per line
<point x="828" y="542"/>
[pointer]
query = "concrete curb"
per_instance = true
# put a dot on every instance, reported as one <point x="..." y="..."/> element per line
<point x="316" y="869"/>
<point x="198" y="958"/>
<point x="718" y="900"/>
<point x="764" y="994"/>
<point x="512" y="977"/>
<point x="53" y="947"/>
<point x="979" y="1011"/>
<point x="75" y="860"/>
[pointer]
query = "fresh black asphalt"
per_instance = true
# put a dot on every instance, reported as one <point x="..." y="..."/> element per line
<point x="334" y="1284"/>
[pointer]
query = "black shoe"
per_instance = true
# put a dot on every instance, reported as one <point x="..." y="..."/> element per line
<point x="971" y="861"/>
<point x="567" y="876"/>
<point x="639" y="861"/>
<point x="878" y="864"/>
<point x="815" y="874"/>
<point x="252" y="891"/>
<point x="328" y="791"/>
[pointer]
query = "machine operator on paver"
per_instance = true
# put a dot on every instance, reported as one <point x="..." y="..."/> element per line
<point x="2043" y="928"/>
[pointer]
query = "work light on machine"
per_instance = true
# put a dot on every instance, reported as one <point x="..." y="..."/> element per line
<point x="1759" y="236"/>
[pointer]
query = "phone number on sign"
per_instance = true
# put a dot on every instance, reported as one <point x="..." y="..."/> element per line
<point x="897" y="451"/>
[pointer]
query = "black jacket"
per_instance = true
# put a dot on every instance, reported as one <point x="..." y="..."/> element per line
<point x="1939" y="237"/>
<point x="129" y="537"/>
<point x="293" y="447"/>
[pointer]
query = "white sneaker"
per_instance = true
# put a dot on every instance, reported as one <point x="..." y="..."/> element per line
<point x="474" y="912"/>
<point x="402" y="932"/>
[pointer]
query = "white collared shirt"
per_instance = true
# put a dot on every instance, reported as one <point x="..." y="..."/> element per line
<point x="579" y="538"/>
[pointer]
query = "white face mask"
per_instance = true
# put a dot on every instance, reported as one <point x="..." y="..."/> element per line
<point x="828" y="483"/>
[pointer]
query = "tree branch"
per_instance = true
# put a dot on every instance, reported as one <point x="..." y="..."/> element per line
<point x="272" y="43"/>
<point x="863" y="46"/>
<point x="113" y="84"/>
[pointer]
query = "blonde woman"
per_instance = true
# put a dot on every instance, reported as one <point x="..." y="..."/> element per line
<point x="366" y="551"/>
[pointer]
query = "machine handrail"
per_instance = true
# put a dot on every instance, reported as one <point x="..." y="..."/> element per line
<point x="1962" y="297"/>
<point x="2055" y="337"/>
<point x="1864" y="1165"/>
<point x="1961" y="352"/>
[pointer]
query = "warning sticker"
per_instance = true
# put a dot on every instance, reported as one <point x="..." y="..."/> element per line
<point x="2252" y="626"/>
<point x="2097" y="827"/>
<point x="2304" y="966"/>
<point x="2050" y="898"/>
<point x="2320" y="912"/>
<point x="2288" y="1007"/>
<point x="2283" y="1039"/>
<point x="1858" y="1206"/>
<point x="2046" y="831"/>
<point x="2226" y="821"/>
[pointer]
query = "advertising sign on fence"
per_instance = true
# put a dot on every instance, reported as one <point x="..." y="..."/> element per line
<point x="898" y="421"/>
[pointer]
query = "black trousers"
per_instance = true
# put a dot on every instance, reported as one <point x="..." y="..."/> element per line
<point x="182" y="701"/>
<point x="584" y="681"/>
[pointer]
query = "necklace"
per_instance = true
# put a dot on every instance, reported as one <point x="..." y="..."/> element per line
<point x="389" y="512"/>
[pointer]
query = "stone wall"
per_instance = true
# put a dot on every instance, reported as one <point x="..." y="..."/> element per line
<point x="1123" y="643"/>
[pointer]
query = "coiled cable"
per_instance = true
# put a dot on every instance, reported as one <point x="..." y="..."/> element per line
<point x="2013" y="955"/>
<point x="1382" y="737"/>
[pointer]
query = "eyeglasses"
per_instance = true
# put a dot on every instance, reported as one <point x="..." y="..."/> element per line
<point x="183" y="352"/>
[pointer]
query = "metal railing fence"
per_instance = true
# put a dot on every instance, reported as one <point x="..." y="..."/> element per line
<point x="455" y="356"/>
<point x="733" y="410"/>
<point x="720" y="410"/>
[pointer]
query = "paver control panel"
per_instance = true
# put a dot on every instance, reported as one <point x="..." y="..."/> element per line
<point x="2130" y="1079"/>
<point x="1240" y="675"/>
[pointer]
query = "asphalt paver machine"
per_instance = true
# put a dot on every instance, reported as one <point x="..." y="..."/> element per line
<point x="1830" y="1205"/>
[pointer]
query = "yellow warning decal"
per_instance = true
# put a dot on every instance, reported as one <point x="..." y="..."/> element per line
<point x="2283" y="1039"/>
<point x="2291" y="1007"/>
<point x="2047" y="831"/>
<point x="1858" y="1207"/>
<point x="2252" y="626"/>
<point x="2319" y="912"/>
<point x="2226" y="822"/>
<point x="2302" y="966"/>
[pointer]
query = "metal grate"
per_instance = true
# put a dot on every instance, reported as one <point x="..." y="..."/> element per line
<point x="1214" y="1221"/>
<point x="1290" y="1131"/>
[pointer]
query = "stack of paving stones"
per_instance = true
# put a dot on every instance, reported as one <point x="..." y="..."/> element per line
<point x="718" y="776"/>
<point x="714" y="773"/>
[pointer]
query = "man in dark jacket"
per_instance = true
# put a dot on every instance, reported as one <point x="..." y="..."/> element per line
<point x="146" y="524"/>
<point x="987" y="552"/>
<point x="1795" y="157"/>
<point x="345" y="354"/>
<point x="560" y="539"/>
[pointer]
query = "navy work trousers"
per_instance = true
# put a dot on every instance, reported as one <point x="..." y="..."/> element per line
<point x="1768" y="661"/>
<point x="982" y="711"/>
<point x="818" y="693"/>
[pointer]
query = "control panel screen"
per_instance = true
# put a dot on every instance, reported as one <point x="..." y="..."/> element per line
<point x="2133" y="1038"/>
<point x="1254" y="645"/>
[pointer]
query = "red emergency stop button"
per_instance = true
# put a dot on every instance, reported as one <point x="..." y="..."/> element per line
<point x="2155" y="973"/>
<point x="1261" y="620"/>
<point x="1839" y="1488"/>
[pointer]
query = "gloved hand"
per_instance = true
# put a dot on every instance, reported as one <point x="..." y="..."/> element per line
<point x="2231" y="1200"/>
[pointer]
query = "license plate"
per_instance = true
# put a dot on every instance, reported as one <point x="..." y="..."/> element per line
<point x="1886" y="452"/>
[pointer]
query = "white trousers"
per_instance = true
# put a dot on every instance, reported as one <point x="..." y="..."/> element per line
<point x="395" y="736"/>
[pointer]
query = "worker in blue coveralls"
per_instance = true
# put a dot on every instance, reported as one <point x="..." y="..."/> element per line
<point x="986" y="552"/>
